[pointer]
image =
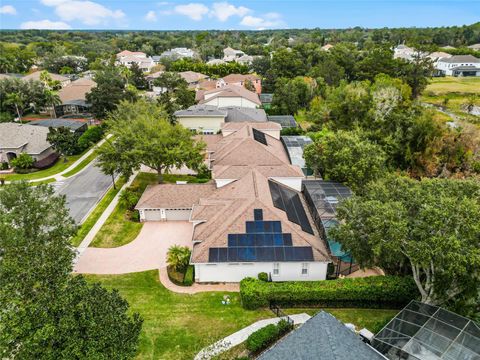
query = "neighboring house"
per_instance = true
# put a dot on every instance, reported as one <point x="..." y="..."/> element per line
<point x="16" y="139"/>
<point x="286" y="121"/>
<point x="252" y="218"/>
<point x="321" y="337"/>
<point x="403" y="52"/>
<point x="208" y="119"/>
<point x="230" y="54"/>
<point x="75" y="126"/>
<point x="73" y="97"/>
<point x="216" y="62"/>
<point x="241" y="80"/>
<point x="178" y="53"/>
<point x="204" y="119"/>
<point x="427" y="332"/>
<point x="244" y="60"/>
<point x="229" y="95"/>
<point x="437" y="55"/>
<point x="64" y="81"/>
<point x="459" y="65"/>
<point x="326" y="47"/>
<point x="207" y="84"/>
<point x="475" y="47"/>
<point x="127" y="58"/>
<point x="151" y="78"/>
<point x="193" y="78"/>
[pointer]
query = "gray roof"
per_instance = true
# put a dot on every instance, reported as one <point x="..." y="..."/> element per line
<point x="285" y="120"/>
<point x="461" y="59"/>
<point x="57" y="123"/>
<point x="321" y="337"/>
<point x="30" y="139"/>
<point x="201" y="110"/>
<point x="243" y="114"/>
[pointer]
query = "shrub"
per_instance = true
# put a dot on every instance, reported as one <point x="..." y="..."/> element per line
<point x="264" y="337"/>
<point x="189" y="276"/>
<point x="135" y="216"/>
<point x="22" y="161"/>
<point x="378" y="291"/>
<point x="263" y="276"/>
<point x="178" y="257"/>
<point x="129" y="198"/>
<point x="90" y="137"/>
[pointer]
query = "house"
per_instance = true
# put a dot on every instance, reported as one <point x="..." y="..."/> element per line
<point x="321" y="337"/>
<point x="127" y="58"/>
<point x="63" y="80"/>
<point x="459" y="65"/>
<point x="230" y="54"/>
<point x="475" y="47"/>
<point x="208" y="119"/>
<point x="244" y="59"/>
<point x="437" y="55"/>
<point x="242" y="80"/>
<point x="193" y="78"/>
<point x="178" y="53"/>
<point x="75" y="126"/>
<point x="402" y="51"/>
<point x="326" y="47"/>
<point x="229" y="95"/>
<point x="286" y="121"/>
<point x="16" y="139"/>
<point x="216" y="62"/>
<point x="251" y="218"/>
<point x="151" y="78"/>
<point x="427" y="332"/>
<point x="73" y="97"/>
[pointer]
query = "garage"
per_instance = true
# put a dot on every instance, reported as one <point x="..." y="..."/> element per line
<point x="178" y="214"/>
<point x="153" y="214"/>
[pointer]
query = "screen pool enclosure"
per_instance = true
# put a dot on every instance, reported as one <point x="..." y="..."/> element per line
<point x="426" y="332"/>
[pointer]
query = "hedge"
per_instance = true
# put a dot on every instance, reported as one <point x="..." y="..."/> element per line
<point x="371" y="292"/>
<point x="264" y="337"/>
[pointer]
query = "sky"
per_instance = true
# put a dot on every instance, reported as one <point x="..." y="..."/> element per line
<point x="230" y="14"/>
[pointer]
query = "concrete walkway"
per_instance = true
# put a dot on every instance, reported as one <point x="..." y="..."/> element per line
<point x="242" y="335"/>
<point x="59" y="176"/>
<point x="101" y="220"/>
<point x="195" y="288"/>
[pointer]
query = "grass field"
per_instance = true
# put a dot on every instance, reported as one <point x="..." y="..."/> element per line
<point x="119" y="230"/>
<point x="450" y="84"/>
<point x="177" y="326"/>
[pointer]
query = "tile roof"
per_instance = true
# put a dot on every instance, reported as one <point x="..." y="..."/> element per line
<point x="201" y="110"/>
<point x="36" y="76"/>
<point x="243" y="114"/>
<point x="460" y="59"/>
<point x="173" y="195"/>
<point x="230" y="91"/>
<point x="32" y="139"/>
<point x="192" y="76"/>
<point x="321" y="337"/>
<point x="235" y="78"/>
<point x="76" y="90"/>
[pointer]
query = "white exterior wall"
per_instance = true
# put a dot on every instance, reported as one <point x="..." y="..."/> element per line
<point x="202" y="123"/>
<point x="235" y="272"/>
<point x="291" y="182"/>
<point x="447" y="67"/>
<point x="231" y="101"/>
<point x="273" y="133"/>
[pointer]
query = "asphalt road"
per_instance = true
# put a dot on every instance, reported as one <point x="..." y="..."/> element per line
<point x="83" y="190"/>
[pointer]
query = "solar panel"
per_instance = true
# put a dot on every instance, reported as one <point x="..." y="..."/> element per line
<point x="258" y="214"/>
<point x="259" y="136"/>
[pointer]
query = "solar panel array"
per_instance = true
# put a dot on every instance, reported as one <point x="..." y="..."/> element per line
<point x="262" y="241"/>
<point x="289" y="201"/>
<point x="259" y="136"/>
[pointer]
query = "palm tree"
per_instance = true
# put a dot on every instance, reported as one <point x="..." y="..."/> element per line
<point x="126" y="73"/>
<point x="18" y="100"/>
<point x="178" y="257"/>
<point x="52" y="99"/>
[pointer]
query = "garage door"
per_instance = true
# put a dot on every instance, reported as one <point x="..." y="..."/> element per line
<point x="178" y="214"/>
<point x="153" y="215"/>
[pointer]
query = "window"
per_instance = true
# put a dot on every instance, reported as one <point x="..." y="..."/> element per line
<point x="276" y="269"/>
<point x="304" y="268"/>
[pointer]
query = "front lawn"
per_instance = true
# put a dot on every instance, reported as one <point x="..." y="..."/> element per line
<point x="177" y="326"/>
<point x="450" y="84"/>
<point x="119" y="230"/>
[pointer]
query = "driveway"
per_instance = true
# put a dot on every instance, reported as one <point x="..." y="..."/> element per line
<point x="147" y="252"/>
<point x="83" y="190"/>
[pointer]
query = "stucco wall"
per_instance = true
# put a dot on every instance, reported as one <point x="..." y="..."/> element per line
<point x="202" y="123"/>
<point x="231" y="101"/>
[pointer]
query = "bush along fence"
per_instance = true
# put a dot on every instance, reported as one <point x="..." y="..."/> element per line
<point x="371" y="292"/>
<point x="266" y="336"/>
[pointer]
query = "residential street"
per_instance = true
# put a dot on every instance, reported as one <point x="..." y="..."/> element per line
<point x="83" y="190"/>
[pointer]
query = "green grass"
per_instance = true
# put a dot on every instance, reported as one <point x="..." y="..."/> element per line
<point x="449" y="84"/>
<point x="58" y="167"/>
<point x="97" y="212"/>
<point x="35" y="183"/>
<point x="177" y="326"/>
<point x="119" y="230"/>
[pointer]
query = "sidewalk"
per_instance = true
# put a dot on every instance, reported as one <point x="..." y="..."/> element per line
<point x="195" y="288"/>
<point x="101" y="220"/>
<point x="242" y="335"/>
<point x="59" y="177"/>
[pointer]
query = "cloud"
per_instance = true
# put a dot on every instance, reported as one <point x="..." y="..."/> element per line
<point x="88" y="12"/>
<point x="151" y="16"/>
<point x="194" y="11"/>
<point x="163" y="3"/>
<point x="269" y="20"/>
<point x="8" y="9"/>
<point x="45" y="25"/>
<point x="223" y="10"/>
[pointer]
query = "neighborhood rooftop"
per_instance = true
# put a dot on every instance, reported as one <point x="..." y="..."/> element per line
<point x="57" y="123"/>
<point x="33" y="139"/>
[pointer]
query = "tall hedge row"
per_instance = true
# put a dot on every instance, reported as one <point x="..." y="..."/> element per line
<point x="376" y="291"/>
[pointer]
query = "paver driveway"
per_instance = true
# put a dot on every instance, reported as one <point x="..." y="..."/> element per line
<point x="147" y="252"/>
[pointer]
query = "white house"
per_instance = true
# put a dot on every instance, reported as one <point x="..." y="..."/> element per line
<point x="178" y="53"/>
<point x="230" y="54"/>
<point x="252" y="218"/>
<point x="229" y="95"/>
<point x="402" y="51"/>
<point x="127" y="58"/>
<point x="459" y="65"/>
